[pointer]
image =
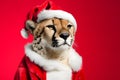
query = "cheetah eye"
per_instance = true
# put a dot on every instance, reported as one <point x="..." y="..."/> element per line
<point x="50" y="26"/>
<point x="69" y="26"/>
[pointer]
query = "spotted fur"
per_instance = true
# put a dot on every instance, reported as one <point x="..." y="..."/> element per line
<point x="50" y="36"/>
<point x="52" y="48"/>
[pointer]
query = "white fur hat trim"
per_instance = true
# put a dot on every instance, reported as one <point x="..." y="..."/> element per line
<point x="47" y="14"/>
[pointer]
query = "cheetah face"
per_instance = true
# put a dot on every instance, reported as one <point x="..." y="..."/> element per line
<point x="54" y="33"/>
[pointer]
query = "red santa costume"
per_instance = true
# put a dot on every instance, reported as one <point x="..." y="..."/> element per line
<point x="35" y="67"/>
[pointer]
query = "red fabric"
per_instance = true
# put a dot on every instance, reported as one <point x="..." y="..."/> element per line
<point x="27" y="70"/>
<point x="47" y="5"/>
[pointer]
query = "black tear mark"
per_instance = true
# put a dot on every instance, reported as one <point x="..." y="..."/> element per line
<point x="53" y="37"/>
<point x="48" y="6"/>
<point x="54" y="41"/>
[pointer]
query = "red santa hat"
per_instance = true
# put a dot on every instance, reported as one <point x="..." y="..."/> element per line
<point x="46" y="11"/>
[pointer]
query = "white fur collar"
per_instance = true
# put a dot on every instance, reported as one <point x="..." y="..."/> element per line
<point x="75" y="61"/>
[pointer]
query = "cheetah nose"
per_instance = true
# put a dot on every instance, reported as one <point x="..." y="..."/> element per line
<point x="64" y="35"/>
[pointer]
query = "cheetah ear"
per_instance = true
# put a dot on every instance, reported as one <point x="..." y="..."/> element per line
<point x="29" y="27"/>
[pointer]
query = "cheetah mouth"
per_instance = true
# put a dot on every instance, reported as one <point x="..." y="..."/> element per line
<point x="55" y="44"/>
<point x="65" y="43"/>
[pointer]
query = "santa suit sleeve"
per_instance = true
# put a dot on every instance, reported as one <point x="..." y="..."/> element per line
<point x="27" y="70"/>
<point x="22" y="73"/>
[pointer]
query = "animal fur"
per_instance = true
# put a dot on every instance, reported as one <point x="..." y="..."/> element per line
<point x="52" y="47"/>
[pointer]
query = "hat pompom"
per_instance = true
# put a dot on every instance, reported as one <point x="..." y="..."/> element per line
<point x="24" y="33"/>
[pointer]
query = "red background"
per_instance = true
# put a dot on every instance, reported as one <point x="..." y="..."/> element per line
<point x="97" y="37"/>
